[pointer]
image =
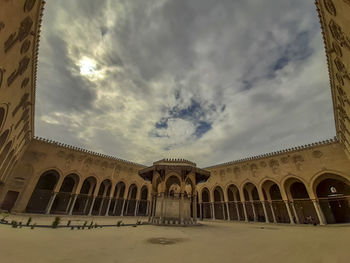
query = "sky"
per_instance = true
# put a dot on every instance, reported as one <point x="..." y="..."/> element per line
<point x="210" y="81"/>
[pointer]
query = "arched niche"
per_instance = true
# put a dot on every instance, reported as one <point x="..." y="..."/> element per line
<point x="43" y="192"/>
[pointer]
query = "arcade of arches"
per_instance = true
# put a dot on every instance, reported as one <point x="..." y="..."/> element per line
<point x="324" y="199"/>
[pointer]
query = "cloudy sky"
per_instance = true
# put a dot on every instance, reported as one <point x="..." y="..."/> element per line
<point x="207" y="80"/>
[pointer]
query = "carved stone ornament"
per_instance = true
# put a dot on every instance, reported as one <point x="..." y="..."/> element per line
<point x="341" y="101"/>
<point x="23" y="32"/>
<point x="337" y="49"/>
<point x="222" y="177"/>
<point x="1" y="75"/>
<point x="253" y="169"/>
<point x="25" y="46"/>
<point x="38" y="156"/>
<point x="340" y="91"/>
<point x="81" y="158"/>
<point x="336" y="30"/>
<point x="284" y="159"/>
<point x="237" y="170"/>
<point x="340" y="65"/>
<point x="28" y="5"/>
<point x="263" y="164"/>
<point x="25" y="82"/>
<point x="253" y="166"/>
<point x="61" y="154"/>
<point x="339" y="78"/>
<point x="338" y="34"/>
<point x="317" y="154"/>
<point x="298" y="160"/>
<point x="273" y="163"/>
<point x="330" y="7"/>
<point x="22" y="67"/>
<point x="21" y="104"/>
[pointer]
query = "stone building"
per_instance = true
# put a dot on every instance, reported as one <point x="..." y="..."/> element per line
<point x="305" y="184"/>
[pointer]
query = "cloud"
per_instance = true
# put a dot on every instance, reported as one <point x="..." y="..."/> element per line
<point x="210" y="81"/>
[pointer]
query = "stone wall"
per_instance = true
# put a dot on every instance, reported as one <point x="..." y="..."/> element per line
<point x="335" y="23"/>
<point x="19" y="36"/>
<point x="304" y="163"/>
<point x="42" y="156"/>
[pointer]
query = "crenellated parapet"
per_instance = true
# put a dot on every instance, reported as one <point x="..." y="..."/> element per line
<point x="82" y="150"/>
<point x="277" y="153"/>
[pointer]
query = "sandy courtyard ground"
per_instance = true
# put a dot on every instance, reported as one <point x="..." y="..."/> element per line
<point x="215" y="241"/>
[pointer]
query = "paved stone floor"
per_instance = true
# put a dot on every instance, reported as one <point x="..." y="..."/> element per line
<point x="215" y="241"/>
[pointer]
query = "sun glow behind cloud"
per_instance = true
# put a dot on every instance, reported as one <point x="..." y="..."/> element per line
<point x="88" y="69"/>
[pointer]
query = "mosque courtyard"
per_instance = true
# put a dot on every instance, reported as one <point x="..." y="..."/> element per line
<point x="214" y="241"/>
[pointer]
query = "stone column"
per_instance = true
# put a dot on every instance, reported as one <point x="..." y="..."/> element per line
<point x="181" y="207"/>
<point x="150" y="214"/>
<point x="122" y="212"/>
<point x="228" y="212"/>
<point x="154" y="207"/>
<point x="92" y="205"/>
<point x="223" y="210"/>
<point x="101" y="205"/>
<point x="245" y="212"/>
<point x="115" y="205"/>
<point x="201" y="211"/>
<point x="212" y="211"/>
<point x="237" y="209"/>
<point x="147" y="206"/>
<point x="273" y="212"/>
<point x="289" y="213"/>
<point x="265" y="213"/>
<point x="69" y="202"/>
<point x="254" y="212"/>
<point x="49" y="205"/>
<point x="295" y="213"/>
<point x="109" y="204"/>
<point x="136" y="207"/>
<point x="319" y="212"/>
<point x="86" y="204"/>
<point x="103" y="200"/>
<point x="194" y="208"/>
<point x="73" y="204"/>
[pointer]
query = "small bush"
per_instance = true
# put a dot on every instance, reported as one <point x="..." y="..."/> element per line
<point x="138" y="222"/>
<point x="29" y="221"/>
<point x="72" y="228"/>
<point x="119" y="223"/>
<point x="34" y="225"/>
<point x="20" y="225"/>
<point x="4" y="215"/>
<point x="56" y="222"/>
<point x="134" y="225"/>
<point x="14" y="223"/>
<point x="68" y="223"/>
<point x="95" y="225"/>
